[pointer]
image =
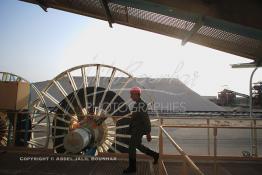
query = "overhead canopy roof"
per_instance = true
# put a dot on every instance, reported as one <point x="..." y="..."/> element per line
<point x="227" y="25"/>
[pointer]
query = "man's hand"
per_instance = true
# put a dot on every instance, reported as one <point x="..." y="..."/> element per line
<point x="74" y="125"/>
<point x="148" y="137"/>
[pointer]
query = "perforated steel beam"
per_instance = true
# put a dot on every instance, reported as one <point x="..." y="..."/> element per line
<point x="174" y="21"/>
<point x="196" y="27"/>
<point x="192" y="17"/>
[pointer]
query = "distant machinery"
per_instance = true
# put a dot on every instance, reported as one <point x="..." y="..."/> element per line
<point x="14" y="109"/>
<point x="226" y="98"/>
<point x="257" y="94"/>
<point x="229" y="97"/>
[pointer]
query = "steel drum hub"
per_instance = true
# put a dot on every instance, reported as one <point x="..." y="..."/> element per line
<point x="76" y="140"/>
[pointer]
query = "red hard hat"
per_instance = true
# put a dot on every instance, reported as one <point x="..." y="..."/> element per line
<point x="135" y="90"/>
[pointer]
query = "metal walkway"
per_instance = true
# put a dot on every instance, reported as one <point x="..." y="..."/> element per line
<point x="15" y="164"/>
<point x="12" y="165"/>
<point x="224" y="168"/>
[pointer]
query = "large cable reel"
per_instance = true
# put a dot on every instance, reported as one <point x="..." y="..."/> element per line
<point x="88" y="110"/>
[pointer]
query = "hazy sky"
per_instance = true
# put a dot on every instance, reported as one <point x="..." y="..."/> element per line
<point x="38" y="45"/>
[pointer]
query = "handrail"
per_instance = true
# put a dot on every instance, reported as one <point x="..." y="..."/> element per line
<point x="211" y="118"/>
<point x="212" y="126"/>
<point x="185" y="156"/>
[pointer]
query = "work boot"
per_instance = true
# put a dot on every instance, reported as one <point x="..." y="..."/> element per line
<point x="156" y="157"/>
<point x="132" y="167"/>
<point x="129" y="170"/>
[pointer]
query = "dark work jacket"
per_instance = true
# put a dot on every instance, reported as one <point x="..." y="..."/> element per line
<point x="140" y="122"/>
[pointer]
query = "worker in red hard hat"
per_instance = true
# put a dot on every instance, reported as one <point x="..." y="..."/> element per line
<point x="139" y="125"/>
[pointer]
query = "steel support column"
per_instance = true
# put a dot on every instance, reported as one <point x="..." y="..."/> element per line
<point x="104" y="4"/>
<point x="194" y="30"/>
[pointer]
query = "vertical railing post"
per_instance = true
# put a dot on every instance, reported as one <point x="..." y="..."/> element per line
<point x="215" y="150"/>
<point x="208" y="137"/>
<point x="160" y="169"/>
<point x="255" y="137"/>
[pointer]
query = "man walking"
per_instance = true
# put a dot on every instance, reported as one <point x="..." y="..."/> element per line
<point x="139" y="125"/>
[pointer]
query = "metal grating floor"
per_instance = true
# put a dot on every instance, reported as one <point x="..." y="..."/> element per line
<point x="10" y="164"/>
<point x="225" y="168"/>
